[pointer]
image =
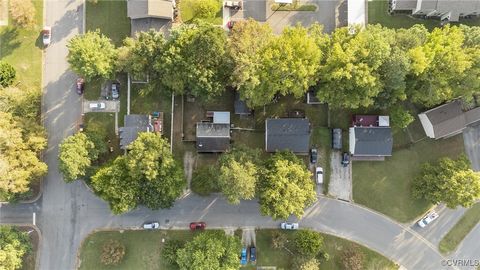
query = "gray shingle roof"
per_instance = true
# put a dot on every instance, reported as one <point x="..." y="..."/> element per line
<point x="447" y="119"/>
<point x="287" y="134"/>
<point x="212" y="137"/>
<point x="137" y="9"/>
<point x="372" y="141"/>
<point x="241" y="106"/>
<point x="134" y="123"/>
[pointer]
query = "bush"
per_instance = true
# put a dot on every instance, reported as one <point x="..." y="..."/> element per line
<point x="279" y="239"/>
<point x="204" y="181"/>
<point x="13" y="247"/>
<point x="352" y="258"/>
<point x="112" y="252"/>
<point x="22" y="12"/>
<point x="205" y="9"/>
<point x="308" y="243"/>
<point x="7" y="74"/>
<point x="169" y="251"/>
<point x="302" y="263"/>
<point x="401" y="118"/>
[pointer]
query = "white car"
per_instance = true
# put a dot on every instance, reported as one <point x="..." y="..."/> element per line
<point x="289" y="226"/>
<point x="429" y="217"/>
<point x="46" y="35"/>
<point x="97" y="105"/>
<point x="319" y="175"/>
<point x="151" y="225"/>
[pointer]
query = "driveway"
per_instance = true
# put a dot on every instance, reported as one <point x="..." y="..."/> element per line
<point x="340" y="185"/>
<point x="471" y="140"/>
<point x="110" y="106"/>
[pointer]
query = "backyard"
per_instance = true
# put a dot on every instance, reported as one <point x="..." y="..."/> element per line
<point x="187" y="12"/>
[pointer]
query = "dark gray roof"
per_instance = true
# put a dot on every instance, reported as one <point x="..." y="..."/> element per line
<point x="208" y="129"/>
<point x="212" y="145"/>
<point x="137" y="9"/>
<point x="287" y="134"/>
<point x="241" y="106"/>
<point x="447" y="119"/>
<point x="134" y="123"/>
<point x="213" y="137"/>
<point x="372" y="141"/>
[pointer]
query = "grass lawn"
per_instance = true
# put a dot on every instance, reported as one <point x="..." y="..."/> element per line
<point x="187" y="13"/>
<point x="456" y="235"/>
<point x="378" y="13"/>
<point x="385" y="186"/>
<point x="110" y="17"/>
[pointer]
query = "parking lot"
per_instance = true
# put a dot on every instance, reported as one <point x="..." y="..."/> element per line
<point x="340" y="178"/>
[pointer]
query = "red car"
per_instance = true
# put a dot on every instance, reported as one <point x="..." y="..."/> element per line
<point x="197" y="226"/>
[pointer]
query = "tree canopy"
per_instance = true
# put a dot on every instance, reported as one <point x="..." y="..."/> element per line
<point x="308" y="243"/>
<point x="92" y="55"/>
<point x="7" y="74"/>
<point x="211" y="250"/>
<point x="449" y="181"/>
<point x="286" y="187"/>
<point x="13" y="246"/>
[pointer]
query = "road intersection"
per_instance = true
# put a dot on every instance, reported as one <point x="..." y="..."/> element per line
<point x="67" y="213"/>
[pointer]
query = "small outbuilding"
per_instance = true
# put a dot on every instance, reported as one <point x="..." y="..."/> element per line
<point x="240" y="106"/>
<point x="287" y="134"/>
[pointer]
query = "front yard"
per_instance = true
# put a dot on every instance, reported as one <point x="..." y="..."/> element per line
<point x="110" y="17"/>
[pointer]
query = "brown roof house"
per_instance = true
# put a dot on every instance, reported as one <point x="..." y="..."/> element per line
<point x="448" y="119"/>
<point x="150" y="14"/>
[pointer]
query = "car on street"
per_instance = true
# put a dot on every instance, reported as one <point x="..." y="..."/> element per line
<point x="97" y="105"/>
<point x="337" y="139"/>
<point x="243" y="257"/>
<point x="345" y="159"/>
<point x="289" y="226"/>
<point x="253" y="254"/>
<point x="80" y="85"/>
<point x="46" y="35"/>
<point x="313" y="155"/>
<point x="319" y="175"/>
<point x="115" y="90"/>
<point x="200" y="225"/>
<point x="427" y="219"/>
<point x="151" y="225"/>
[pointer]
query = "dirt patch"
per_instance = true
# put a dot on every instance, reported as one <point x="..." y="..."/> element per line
<point x="188" y="162"/>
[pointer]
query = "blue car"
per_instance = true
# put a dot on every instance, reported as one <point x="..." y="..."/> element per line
<point x="253" y="254"/>
<point x="243" y="260"/>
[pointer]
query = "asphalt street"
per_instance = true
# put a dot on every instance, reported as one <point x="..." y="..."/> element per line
<point x="67" y="213"/>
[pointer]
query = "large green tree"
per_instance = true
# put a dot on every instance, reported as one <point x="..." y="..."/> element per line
<point x="449" y="181"/>
<point x="308" y="243"/>
<point x="286" y="187"/>
<point x="7" y="74"/>
<point x="14" y="245"/>
<point x="76" y="154"/>
<point x="195" y="61"/>
<point x="239" y="171"/>
<point x="92" y="55"/>
<point x="212" y="250"/>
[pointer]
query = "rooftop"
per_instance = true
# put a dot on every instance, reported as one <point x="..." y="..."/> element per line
<point x="138" y="9"/>
<point x="287" y="134"/>
<point x="134" y="124"/>
<point x="371" y="141"/>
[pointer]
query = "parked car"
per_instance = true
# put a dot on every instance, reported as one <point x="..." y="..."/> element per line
<point x="345" y="159"/>
<point x="46" y="35"/>
<point x="80" y="85"/>
<point x="319" y="175"/>
<point x="427" y="219"/>
<point x="115" y="90"/>
<point x="97" y="106"/>
<point x="243" y="258"/>
<point x="337" y="139"/>
<point x="313" y="155"/>
<point x="198" y="226"/>
<point x="151" y="225"/>
<point x="253" y="254"/>
<point x="289" y="226"/>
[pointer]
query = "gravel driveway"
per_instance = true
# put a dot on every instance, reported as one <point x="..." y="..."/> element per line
<point x="340" y="185"/>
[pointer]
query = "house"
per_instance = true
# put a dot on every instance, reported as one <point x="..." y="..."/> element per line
<point x="287" y="134"/>
<point x="150" y="14"/>
<point x="448" y="119"/>
<point x="133" y="124"/>
<point x="213" y="136"/>
<point x="240" y="106"/>
<point x="445" y="10"/>
<point x="370" y="137"/>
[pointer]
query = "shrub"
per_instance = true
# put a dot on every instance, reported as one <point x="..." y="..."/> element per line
<point x="302" y="263"/>
<point x="22" y="12"/>
<point x="308" y="243"/>
<point x="169" y="251"/>
<point x="112" y="252"/>
<point x="204" y="181"/>
<point x="352" y="258"/>
<point x="205" y="9"/>
<point x="7" y="74"/>
<point x="401" y="118"/>
<point x="13" y="246"/>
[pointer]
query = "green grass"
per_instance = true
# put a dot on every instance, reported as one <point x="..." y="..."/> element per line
<point x="456" y="235"/>
<point x="187" y="13"/>
<point x="110" y="17"/>
<point x="385" y="186"/>
<point x="378" y="13"/>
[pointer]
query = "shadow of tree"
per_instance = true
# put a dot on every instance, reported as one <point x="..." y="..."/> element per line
<point x="8" y="41"/>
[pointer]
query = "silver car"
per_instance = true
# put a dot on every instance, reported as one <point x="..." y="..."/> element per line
<point x="289" y="226"/>
<point x="97" y="106"/>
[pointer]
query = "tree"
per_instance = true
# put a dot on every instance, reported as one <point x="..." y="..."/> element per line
<point x="7" y="74"/>
<point x="212" y="250"/>
<point x="13" y="246"/>
<point x="239" y="173"/>
<point x="169" y="251"/>
<point x="286" y="187"/>
<point x="195" y="61"/>
<point x="205" y="180"/>
<point x="350" y="77"/>
<point x="112" y="252"/>
<point x="352" y="258"/>
<point x="400" y="117"/>
<point x="76" y="154"/>
<point x="19" y="162"/>
<point x="22" y="12"/>
<point x="449" y="181"/>
<point x="205" y="9"/>
<point x="92" y="55"/>
<point x="302" y="263"/>
<point x="23" y="104"/>
<point x="308" y="243"/>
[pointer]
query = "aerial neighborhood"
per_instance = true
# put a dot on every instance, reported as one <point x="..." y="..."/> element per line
<point x="248" y="134"/>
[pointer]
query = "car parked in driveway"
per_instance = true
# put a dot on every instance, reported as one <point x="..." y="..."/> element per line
<point x="115" y="90"/>
<point x="345" y="159"/>
<point x="337" y="139"/>
<point x="151" y="225"/>
<point x="199" y="225"/>
<point x="46" y="35"/>
<point x="313" y="155"/>
<point x="253" y="254"/>
<point x="427" y="219"/>
<point x="243" y="256"/>
<point x="319" y="175"/>
<point x="289" y="226"/>
<point x="97" y="106"/>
